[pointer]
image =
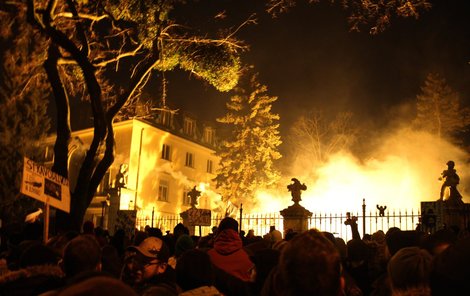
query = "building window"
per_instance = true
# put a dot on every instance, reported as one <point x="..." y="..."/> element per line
<point x="186" y="198"/>
<point x="163" y="189"/>
<point x="189" y="126"/>
<point x="166" y="152"/>
<point x="189" y="160"/>
<point x="209" y="135"/>
<point x="209" y="166"/>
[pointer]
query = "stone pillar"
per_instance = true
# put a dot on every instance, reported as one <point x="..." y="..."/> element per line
<point x="455" y="214"/>
<point x="115" y="201"/>
<point x="296" y="216"/>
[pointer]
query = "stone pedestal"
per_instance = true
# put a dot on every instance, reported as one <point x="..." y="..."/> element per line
<point x="444" y="214"/>
<point x="455" y="214"/>
<point x="296" y="218"/>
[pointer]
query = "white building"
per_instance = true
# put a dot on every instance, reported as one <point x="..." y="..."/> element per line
<point x="161" y="161"/>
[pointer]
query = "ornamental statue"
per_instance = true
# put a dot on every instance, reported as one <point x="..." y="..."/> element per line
<point x="451" y="180"/>
<point x="193" y="195"/>
<point x="295" y="189"/>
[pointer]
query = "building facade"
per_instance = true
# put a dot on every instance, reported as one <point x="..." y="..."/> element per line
<point x="157" y="162"/>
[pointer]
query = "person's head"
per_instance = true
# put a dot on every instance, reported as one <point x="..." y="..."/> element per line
<point x="378" y="237"/>
<point x="451" y="268"/>
<point x="38" y="254"/>
<point x="228" y="223"/>
<point x="342" y="248"/>
<point x="264" y="260"/>
<point x="83" y="253"/>
<point x="88" y="227"/>
<point x="183" y="243"/>
<point x="146" y="260"/>
<point x="276" y="236"/>
<point x="98" y="285"/>
<point x="409" y="269"/>
<point x="440" y="240"/>
<point x="309" y="265"/>
<point x="180" y="229"/>
<point x="156" y="232"/>
<point x="399" y="239"/>
<point x="194" y="269"/>
<point x="357" y="251"/>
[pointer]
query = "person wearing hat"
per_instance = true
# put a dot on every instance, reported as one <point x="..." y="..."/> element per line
<point x="146" y="266"/>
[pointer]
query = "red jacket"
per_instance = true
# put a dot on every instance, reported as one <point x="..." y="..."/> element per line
<point x="228" y="254"/>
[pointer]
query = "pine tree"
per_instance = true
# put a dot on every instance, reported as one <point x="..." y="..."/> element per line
<point x="23" y="109"/>
<point x="438" y="108"/>
<point x="247" y="157"/>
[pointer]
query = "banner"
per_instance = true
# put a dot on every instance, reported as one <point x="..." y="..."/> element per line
<point x="44" y="185"/>
<point x="197" y="217"/>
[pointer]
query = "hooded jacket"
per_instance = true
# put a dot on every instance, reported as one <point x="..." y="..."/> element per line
<point x="228" y="254"/>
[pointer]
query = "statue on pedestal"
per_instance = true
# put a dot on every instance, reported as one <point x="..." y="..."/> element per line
<point x="121" y="178"/>
<point x="451" y="180"/>
<point x="296" y="216"/>
<point x="295" y="189"/>
<point x="193" y="195"/>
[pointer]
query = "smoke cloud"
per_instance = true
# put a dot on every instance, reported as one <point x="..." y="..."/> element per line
<point x="400" y="173"/>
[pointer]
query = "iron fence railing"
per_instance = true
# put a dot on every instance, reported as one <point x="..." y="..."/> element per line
<point x="331" y="222"/>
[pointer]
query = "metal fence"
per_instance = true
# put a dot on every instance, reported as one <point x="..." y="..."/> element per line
<point x="333" y="222"/>
<point x="367" y="224"/>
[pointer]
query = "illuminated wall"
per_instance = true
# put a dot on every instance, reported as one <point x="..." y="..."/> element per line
<point x="139" y="145"/>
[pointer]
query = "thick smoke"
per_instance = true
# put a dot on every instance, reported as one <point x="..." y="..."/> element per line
<point x="400" y="173"/>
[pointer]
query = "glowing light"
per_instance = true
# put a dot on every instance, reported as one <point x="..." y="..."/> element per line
<point x="402" y="173"/>
<point x="127" y="199"/>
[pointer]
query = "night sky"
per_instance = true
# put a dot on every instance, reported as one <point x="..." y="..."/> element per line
<point x="309" y="59"/>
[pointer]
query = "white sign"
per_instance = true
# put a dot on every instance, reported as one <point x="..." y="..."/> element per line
<point x="198" y="217"/>
<point x="44" y="185"/>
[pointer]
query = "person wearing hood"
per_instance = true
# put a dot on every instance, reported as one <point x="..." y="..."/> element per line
<point x="228" y="253"/>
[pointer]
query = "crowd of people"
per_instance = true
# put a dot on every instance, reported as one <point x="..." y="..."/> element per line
<point x="227" y="262"/>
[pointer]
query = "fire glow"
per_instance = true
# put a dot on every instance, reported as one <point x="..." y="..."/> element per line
<point x="403" y="172"/>
<point x="400" y="173"/>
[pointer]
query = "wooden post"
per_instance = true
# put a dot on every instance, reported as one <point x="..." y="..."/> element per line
<point x="46" y="221"/>
<point x="241" y="218"/>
